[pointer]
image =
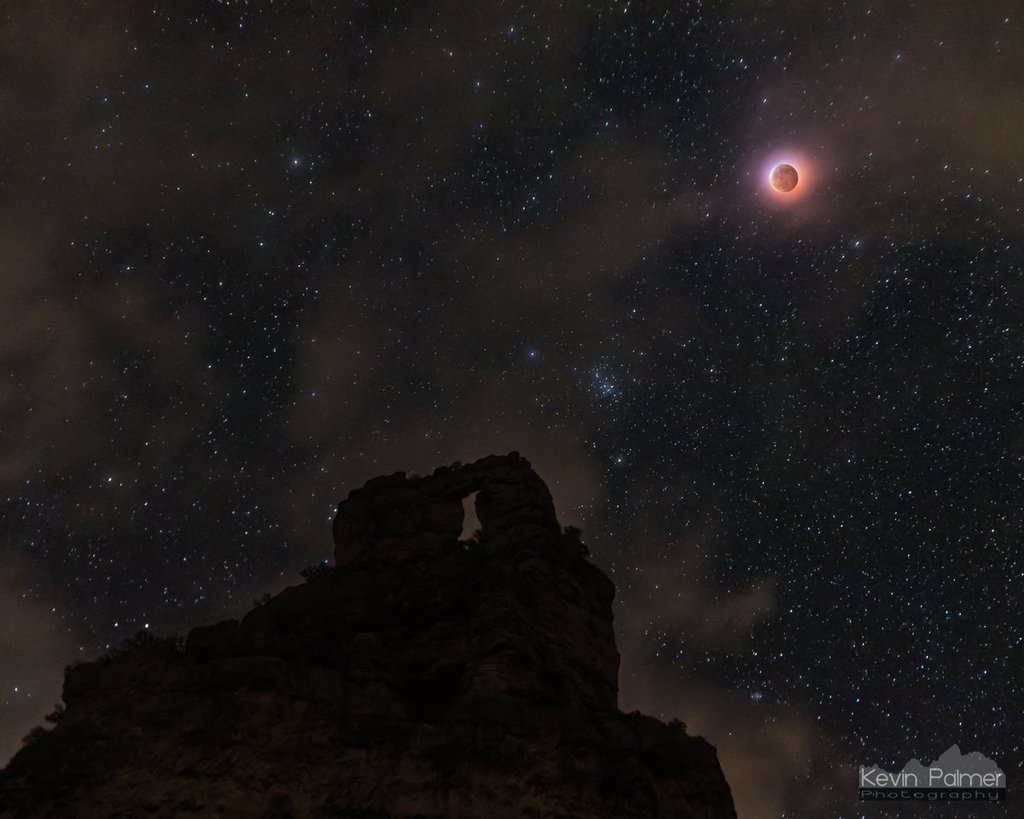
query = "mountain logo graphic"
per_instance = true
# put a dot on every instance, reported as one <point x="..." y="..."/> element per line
<point x="954" y="776"/>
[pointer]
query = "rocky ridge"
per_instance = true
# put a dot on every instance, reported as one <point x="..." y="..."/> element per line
<point x="422" y="676"/>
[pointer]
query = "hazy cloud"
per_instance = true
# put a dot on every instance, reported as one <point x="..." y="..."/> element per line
<point x="35" y="646"/>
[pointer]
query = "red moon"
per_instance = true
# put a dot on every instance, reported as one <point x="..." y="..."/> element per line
<point x="784" y="177"/>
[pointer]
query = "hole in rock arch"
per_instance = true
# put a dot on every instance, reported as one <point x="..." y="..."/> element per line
<point x="470" y="521"/>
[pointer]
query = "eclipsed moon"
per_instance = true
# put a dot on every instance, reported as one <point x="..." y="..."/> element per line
<point x="784" y="177"/>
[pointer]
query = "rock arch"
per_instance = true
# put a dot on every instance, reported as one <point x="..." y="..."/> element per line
<point x="395" y="516"/>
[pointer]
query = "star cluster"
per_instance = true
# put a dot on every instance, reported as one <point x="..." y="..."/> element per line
<point x="253" y="256"/>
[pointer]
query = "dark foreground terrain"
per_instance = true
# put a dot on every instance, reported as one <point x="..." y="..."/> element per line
<point x="422" y="676"/>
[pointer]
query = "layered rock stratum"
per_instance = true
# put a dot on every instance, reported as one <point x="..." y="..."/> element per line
<point x="421" y="676"/>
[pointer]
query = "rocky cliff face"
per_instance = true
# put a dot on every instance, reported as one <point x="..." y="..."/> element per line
<point x="424" y="676"/>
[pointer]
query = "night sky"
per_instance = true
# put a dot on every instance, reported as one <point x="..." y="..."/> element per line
<point x="253" y="254"/>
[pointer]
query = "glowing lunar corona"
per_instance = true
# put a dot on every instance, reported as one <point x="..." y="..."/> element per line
<point x="787" y="176"/>
<point x="784" y="178"/>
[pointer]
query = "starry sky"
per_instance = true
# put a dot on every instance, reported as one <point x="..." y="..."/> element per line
<point x="253" y="254"/>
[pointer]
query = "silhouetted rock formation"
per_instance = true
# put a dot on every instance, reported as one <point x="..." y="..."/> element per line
<point x="423" y="677"/>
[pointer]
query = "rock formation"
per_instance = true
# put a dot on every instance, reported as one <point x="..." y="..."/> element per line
<point x="423" y="676"/>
